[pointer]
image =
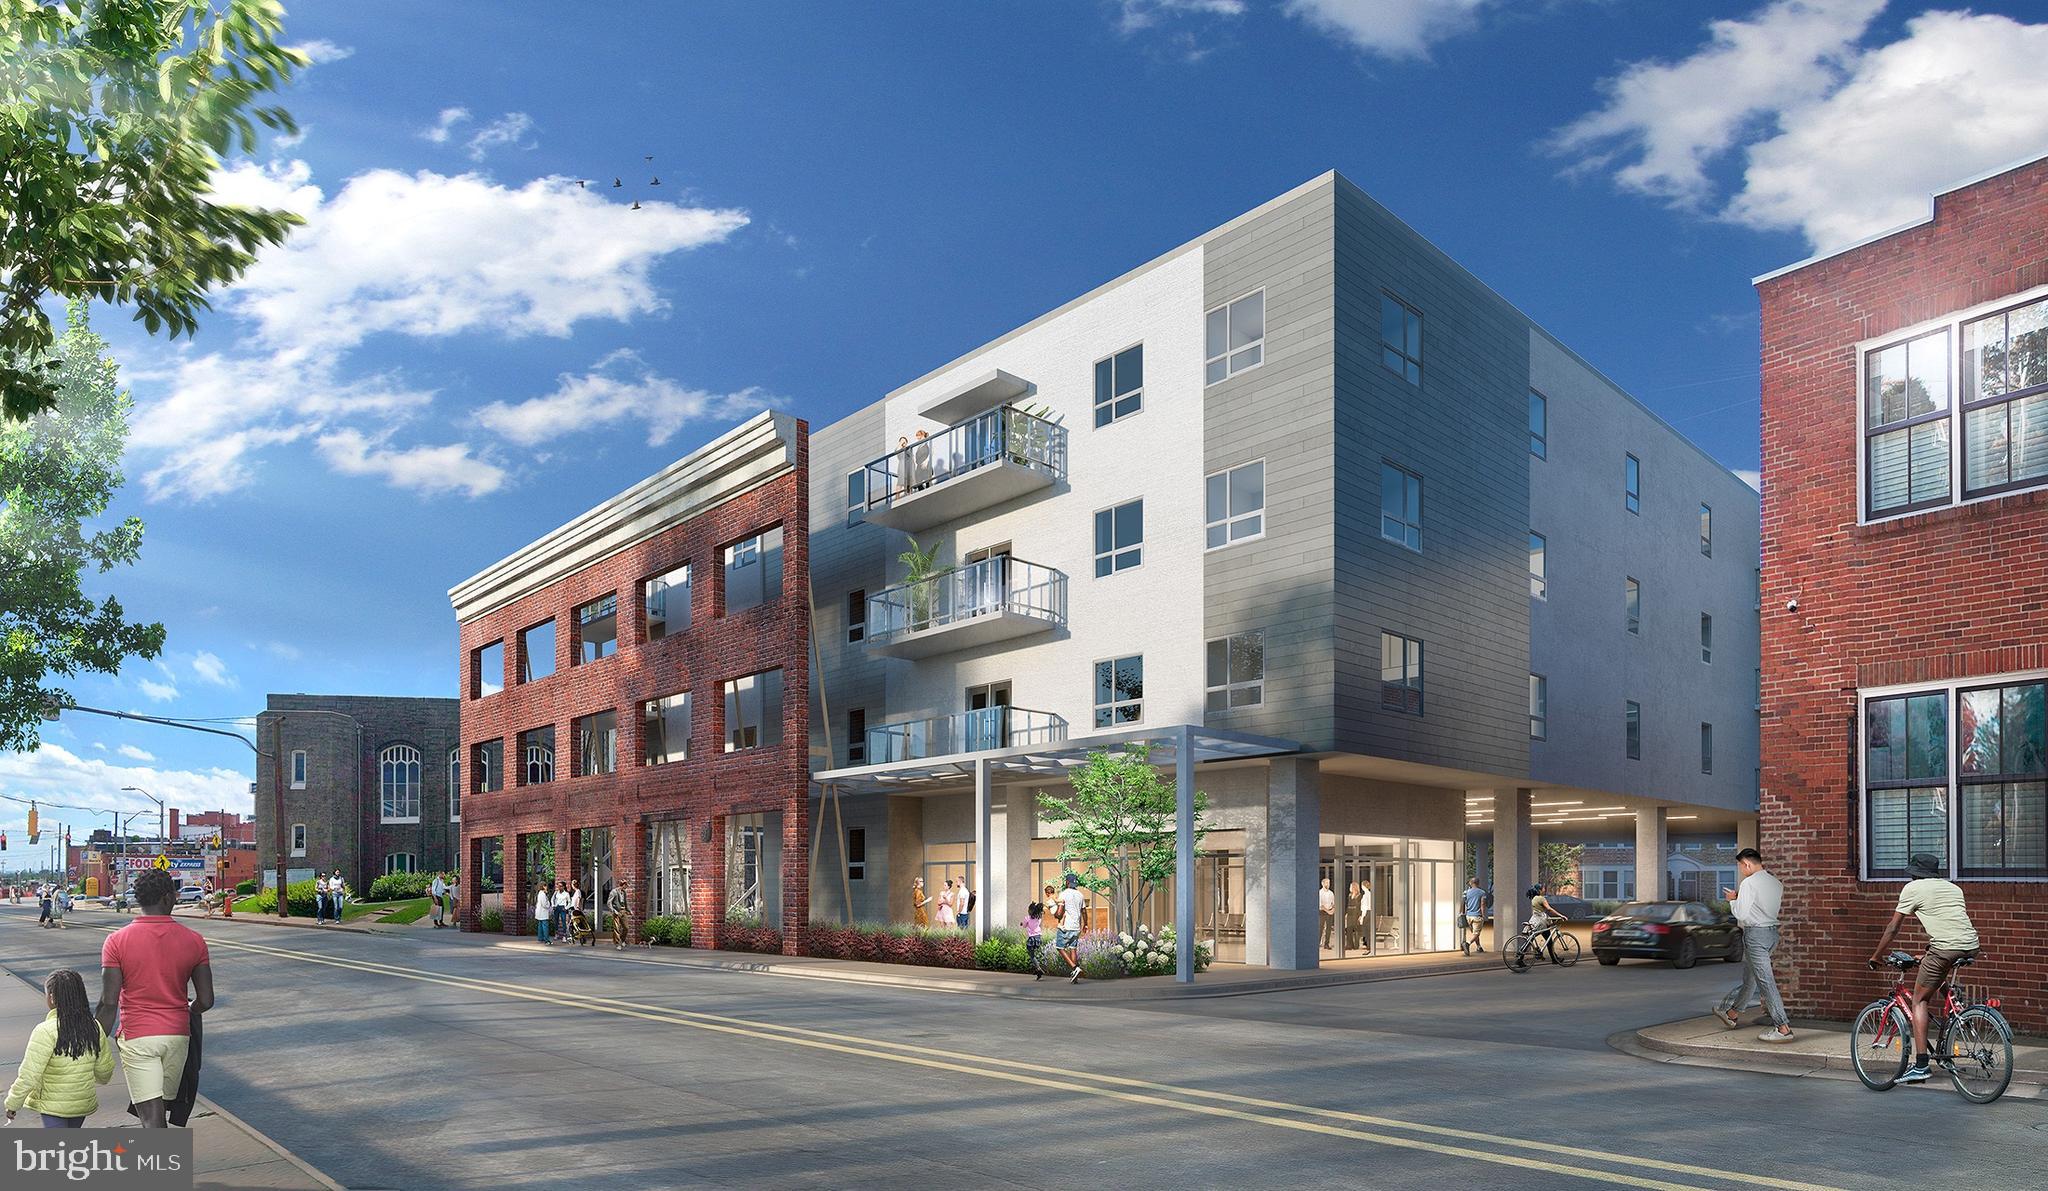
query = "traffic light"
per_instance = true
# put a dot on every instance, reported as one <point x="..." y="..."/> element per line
<point x="67" y="837"/>
<point x="33" y="829"/>
<point x="3" y="841"/>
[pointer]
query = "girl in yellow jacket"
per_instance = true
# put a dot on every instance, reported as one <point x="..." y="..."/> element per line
<point x="68" y="1057"/>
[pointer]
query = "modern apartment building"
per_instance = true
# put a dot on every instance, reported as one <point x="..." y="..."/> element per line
<point x="1905" y="573"/>
<point x="1306" y="503"/>
<point x="632" y="702"/>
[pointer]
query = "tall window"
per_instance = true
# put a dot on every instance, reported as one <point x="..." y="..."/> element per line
<point x="1632" y="605"/>
<point x="665" y="729"/>
<point x="398" y="784"/>
<point x="487" y="765"/>
<point x="856" y="854"/>
<point x="597" y="628"/>
<point x="1906" y="424"/>
<point x="1119" y="691"/>
<point x="1905" y="777"/>
<point x="298" y="839"/>
<point x="668" y="603"/>
<point x="1400" y="673"/>
<point x="857" y="736"/>
<point x="487" y="670"/>
<point x="1236" y="337"/>
<point x="1119" y="538"/>
<point x="400" y="862"/>
<point x="298" y="769"/>
<point x="1632" y="730"/>
<point x="1539" y="425"/>
<point x="857" y="496"/>
<point x="1400" y="506"/>
<point x="2002" y="738"/>
<point x="753" y="571"/>
<point x="1237" y="671"/>
<point x="1539" y="707"/>
<point x="1401" y="339"/>
<point x="1539" y="569"/>
<point x="1706" y="748"/>
<point x="856" y="615"/>
<point x="455" y="785"/>
<point x="597" y="744"/>
<point x="537" y="756"/>
<point x="1119" y="385"/>
<point x="1632" y="485"/>
<point x="1236" y="504"/>
<point x="753" y="711"/>
<point x="1706" y="531"/>
<point x="2005" y="400"/>
<point x="1706" y="638"/>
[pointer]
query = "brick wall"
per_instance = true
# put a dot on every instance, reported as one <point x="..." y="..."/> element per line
<point x="704" y="789"/>
<point x="1946" y="593"/>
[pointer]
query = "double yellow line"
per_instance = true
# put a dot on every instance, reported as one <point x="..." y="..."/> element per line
<point x="1550" y="1157"/>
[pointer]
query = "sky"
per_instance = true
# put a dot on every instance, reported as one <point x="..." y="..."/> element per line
<point x="463" y="348"/>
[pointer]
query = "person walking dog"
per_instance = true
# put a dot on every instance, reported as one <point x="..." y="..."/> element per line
<point x="1756" y="903"/>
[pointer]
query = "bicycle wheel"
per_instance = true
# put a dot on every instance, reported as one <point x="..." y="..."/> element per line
<point x="1978" y="1049"/>
<point x="1516" y="957"/>
<point x="1880" y="1044"/>
<point x="1564" y="950"/>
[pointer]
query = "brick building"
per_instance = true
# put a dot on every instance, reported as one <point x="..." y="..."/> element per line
<point x="367" y="786"/>
<point x="633" y="696"/>
<point x="1905" y="575"/>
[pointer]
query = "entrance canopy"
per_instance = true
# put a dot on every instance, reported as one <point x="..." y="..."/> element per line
<point x="937" y="775"/>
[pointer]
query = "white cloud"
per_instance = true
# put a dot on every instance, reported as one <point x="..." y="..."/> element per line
<point x="158" y="692"/>
<point x="1390" y="28"/>
<point x="508" y="129"/>
<point x="620" y="388"/>
<point x="444" y="125"/>
<point x="211" y="669"/>
<point x="55" y="774"/>
<point x="279" y="649"/>
<point x="1136" y="15"/>
<point x="135" y="754"/>
<point x="449" y="468"/>
<point x="320" y="51"/>
<point x="101" y="747"/>
<point x="1838" y="139"/>
<point x="1754" y="479"/>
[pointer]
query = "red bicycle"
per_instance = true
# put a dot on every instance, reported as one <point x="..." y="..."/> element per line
<point x="1971" y="1040"/>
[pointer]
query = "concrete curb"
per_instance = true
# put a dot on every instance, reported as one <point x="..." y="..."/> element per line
<point x="304" y="1167"/>
<point x="1646" y="1043"/>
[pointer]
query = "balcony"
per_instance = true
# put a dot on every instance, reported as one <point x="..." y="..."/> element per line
<point x="967" y="732"/>
<point x="992" y="457"/>
<point x="995" y="599"/>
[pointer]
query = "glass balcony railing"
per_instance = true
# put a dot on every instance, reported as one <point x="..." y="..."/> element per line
<point x="967" y="732"/>
<point x="1003" y="439"/>
<point x="991" y="590"/>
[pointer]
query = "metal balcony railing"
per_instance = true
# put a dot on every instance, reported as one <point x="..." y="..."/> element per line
<point x="990" y="587"/>
<point x="1005" y="434"/>
<point x="965" y="732"/>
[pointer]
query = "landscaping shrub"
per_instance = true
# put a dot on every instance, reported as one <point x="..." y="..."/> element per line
<point x="667" y="930"/>
<point x="764" y="939"/>
<point x="492" y="921"/>
<point x="246" y="888"/>
<point x="393" y="887"/>
<point x="298" y="899"/>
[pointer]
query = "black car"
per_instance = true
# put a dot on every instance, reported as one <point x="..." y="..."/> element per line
<point x="1682" y="932"/>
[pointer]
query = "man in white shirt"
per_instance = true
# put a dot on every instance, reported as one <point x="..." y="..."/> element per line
<point x="1073" y="910"/>
<point x="1756" y="904"/>
<point x="1326" y="906"/>
<point x="320" y="899"/>
<point x="437" y="892"/>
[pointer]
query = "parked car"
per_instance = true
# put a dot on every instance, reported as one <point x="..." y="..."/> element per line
<point x="191" y="893"/>
<point x="1682" y="932"/>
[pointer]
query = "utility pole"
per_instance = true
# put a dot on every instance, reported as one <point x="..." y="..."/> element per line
<point x="277" y="761"/>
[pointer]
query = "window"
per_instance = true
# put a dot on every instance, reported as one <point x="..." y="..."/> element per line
<point x="753" y="711"/>
<point x="1633" y="730"/>
<point x="1400" y="674"/>
<point x="1539" y="572"/>
<point x="1632" y="605"/>
<point x="537" y="651"/>
<point x="1632" y="485"/>
<point x="753" y="571"/>
<point x="1905" y="778"/>
<point x="455" y="785"/>
<point x="400" y="862"/>
<point x="597" y="744"/>
<point x="857" y="736"/>
<point x="856" y="496"/>
<point x="1906" y="424"/>
<point x="398" y="784"/>
<point x="1539" y="707"/>
<point x="1119" y="692"/>
<point x="537" y="756"/>
<point x="1119" y="538"/>
<point x="1237" y="671"/>
<point x="487" y="670"/>
<point x="597" y="628"/>
<point x="487" y="766"/>
<point x="298" y="769"/>
<point x="1706" y="748"/>
<point x="665" y="729"/>
<point x="1237" y="504"/>
<point x="1539" y="425"/>
<point x="668" y="603"/>
<point x="856" y="615"/>
<point x="2005" y="401"/>
<point x="1236" y="337"/>
<point x="1119" y="385"/>
<point x="1400" y="506"/>
<point x="856" y="854"/>
<point x="1401" y="339"/>
<point x="298" y="839"/>
<point x="1706" y="531"/>
<point x="2002" y="741"/>
<point x="1706" y="638"/>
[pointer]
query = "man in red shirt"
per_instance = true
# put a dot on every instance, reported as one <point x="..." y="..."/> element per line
<point x="145" y="968"/>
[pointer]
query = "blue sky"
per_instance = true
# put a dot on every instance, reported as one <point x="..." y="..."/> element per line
<point x="462" y="349"/>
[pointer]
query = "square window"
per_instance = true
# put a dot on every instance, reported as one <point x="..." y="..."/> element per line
<point x="667" y="597"/>
<point x="1401" y="339"/>
<point x="665" y="729"/>
<point x="487" y="766"/>
<point x="597" y="744"/>
<point x="1400" y="674"/>
<point x="1119" y="692"/>
<point x="597" y="629"/>
<point x="1539" y="567"/>
<point x="487" y="670"/>
<point x="1235" y="334"/>
<point x="537" y="651"/>
<point x="1236" y="502"/>
<point x="1236" y="671"/>
<point x="1120" y="385"/>
<point x="1119" y="538"/>
<point x="753" y="711"/>
<point x="1539" y="425"/>
<point x="753" y="571"/>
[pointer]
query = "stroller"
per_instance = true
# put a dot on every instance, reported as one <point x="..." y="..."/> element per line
<point x="580" y="930"/>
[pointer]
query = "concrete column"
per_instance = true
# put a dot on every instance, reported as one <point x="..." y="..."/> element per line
<point x="771" y="869"/>
<point x="1652" y="846"/>
<point x="1293" y="823"/>
<point x="1745" y="832"/>
<point x="1514" y="861"/>
<point x="1010" y="877"/>
<point x="904" y="853"/>
<point x="1184" y="857"/>
<point x="984" y="837"/>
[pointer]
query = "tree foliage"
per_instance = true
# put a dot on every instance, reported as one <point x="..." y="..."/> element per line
<point x="58" y="472"/>
<point x="1557" y="865"/>
<point x="1120" y="826"/>
<point x="114" y="115"/>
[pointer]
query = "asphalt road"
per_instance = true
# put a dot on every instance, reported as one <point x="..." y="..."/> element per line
<point x="428" y="1063"/>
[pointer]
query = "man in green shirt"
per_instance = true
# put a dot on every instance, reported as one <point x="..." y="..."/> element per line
<point x="1938" y="905"/>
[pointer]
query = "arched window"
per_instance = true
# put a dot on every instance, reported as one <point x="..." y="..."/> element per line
<point x="455" y="785"/>
<point x="540" y="763"/>
<point x="398" y="780"/>
<point x="400" y="862"/>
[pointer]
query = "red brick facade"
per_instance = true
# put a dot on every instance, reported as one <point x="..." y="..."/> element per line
<point x="703" y="790"/>
<point x="1955" y="592"/>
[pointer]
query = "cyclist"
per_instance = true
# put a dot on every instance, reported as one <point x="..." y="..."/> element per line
<point x="1938" y="905"/>
<point x="1542" y="915"/>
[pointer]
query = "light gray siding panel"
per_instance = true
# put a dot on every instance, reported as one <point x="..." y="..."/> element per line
<point x="844" y="558"/>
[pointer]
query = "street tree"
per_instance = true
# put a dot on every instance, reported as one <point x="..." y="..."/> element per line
<point x="1120" y="826"/>
<point x="114" y="115"/>
<point x="59" y="471"/>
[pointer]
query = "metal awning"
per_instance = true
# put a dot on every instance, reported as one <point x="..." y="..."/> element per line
<point x="939" y="775"/>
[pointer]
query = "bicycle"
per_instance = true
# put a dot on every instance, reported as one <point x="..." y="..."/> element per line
<point x="1973" y="1042"/>
<point x="1560" y="948"/>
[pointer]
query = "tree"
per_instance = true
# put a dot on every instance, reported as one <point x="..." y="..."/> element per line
<point x="1557" y="865"/>
<point x="58" y="471"/>
<point x="1120" y="826"/>
<point x="113" y="117"/>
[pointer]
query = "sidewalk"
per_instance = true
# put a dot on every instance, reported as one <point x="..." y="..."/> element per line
<point x="1819" y="1048"/>
<point x="229" y="1154"/>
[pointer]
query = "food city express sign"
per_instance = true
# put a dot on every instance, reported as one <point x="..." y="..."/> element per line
<point x="112" y="1159"/>
<point x="175" y="864"/>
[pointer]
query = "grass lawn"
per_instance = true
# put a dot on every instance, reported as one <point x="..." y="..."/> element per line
<point x="409" y="910"/>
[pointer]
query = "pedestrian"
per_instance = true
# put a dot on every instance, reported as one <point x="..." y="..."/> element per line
<point x="1034" y="937"/>
<point x="435" y="893"/>
<point x="337" y="895"/>
<point x="68" y="1057"/>
<point x="60" y="904"/>
<point x="448" y="896"/>
<point x="146" y="968"/>
<point x="963" y="905"/>
<point x="319" y="899"/>
<point x="615" y="905"/>
<point x="919" y="903"/>
<point x="1756" y="903"/>
<point x="1073" y="909"/>
<point x="945" y="915"/>
<point x="1326" y="909"/>
<point x="561" y="911"/>
<point x="206" y="896"/>
<point x="1475" y="916"/>
<point x="43" y="903"/>
<point x="543" y="912"/>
